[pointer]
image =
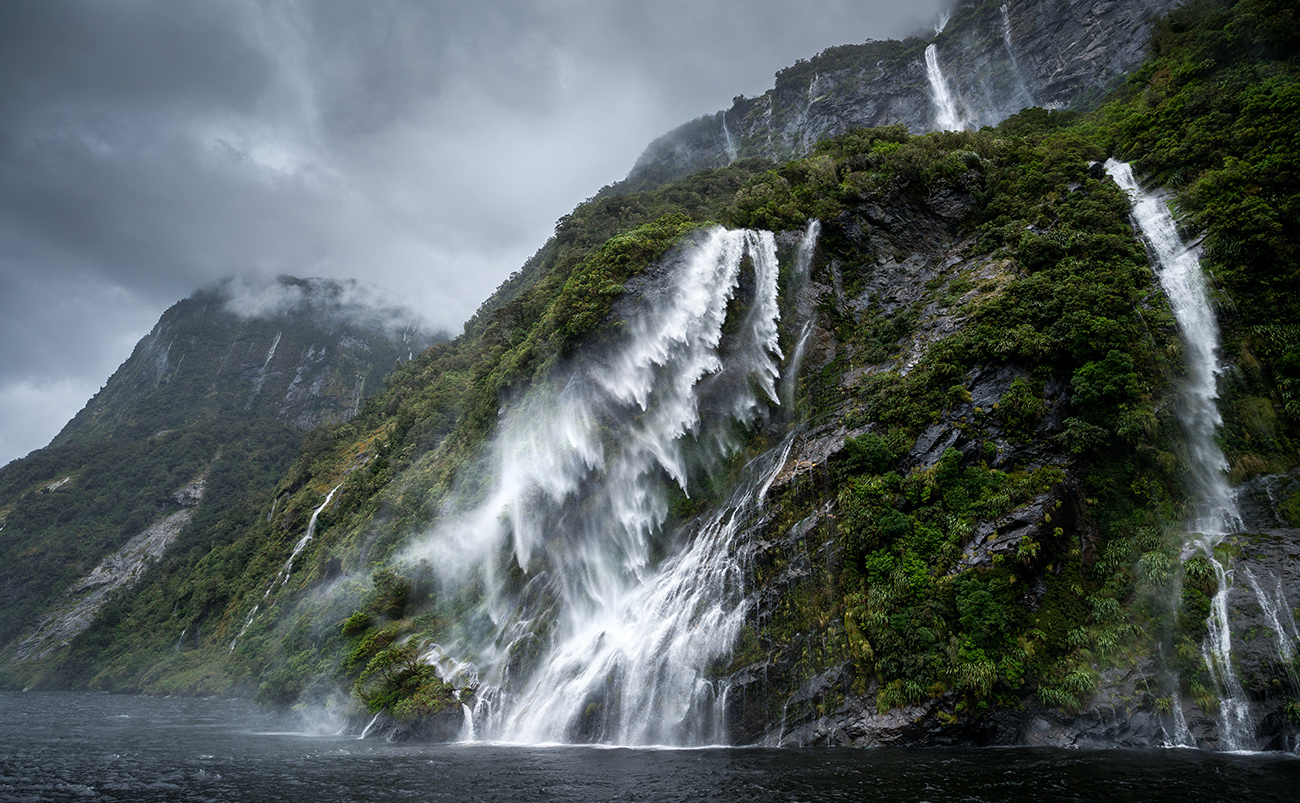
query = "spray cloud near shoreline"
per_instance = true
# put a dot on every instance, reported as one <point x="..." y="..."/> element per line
<point x="593" y="622"/>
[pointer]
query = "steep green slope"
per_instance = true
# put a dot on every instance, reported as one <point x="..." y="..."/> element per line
<point x="980" y="518"/>
<point x="209" y="410"/>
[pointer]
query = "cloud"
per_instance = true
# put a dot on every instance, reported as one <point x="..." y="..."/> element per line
<point x="345" y="301"/>
<point x="148" y="148"/>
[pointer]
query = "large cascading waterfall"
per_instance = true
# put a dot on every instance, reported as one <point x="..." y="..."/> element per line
<point x="947" y="114"/>
<point x="1216" y="515"/>
<point x="582" y="617"/>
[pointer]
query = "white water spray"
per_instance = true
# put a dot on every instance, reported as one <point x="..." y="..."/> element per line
<point x="942" y="22"/>
<point x="287" y="569"/>
<point x="1027" y="96"/>
<point x="947" y="117"/>
<point x="1216" y="515"/>
<point x="732" y="152"/>
<point x="592" y="622"/>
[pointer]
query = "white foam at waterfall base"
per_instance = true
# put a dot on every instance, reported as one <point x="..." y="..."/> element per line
<point x="586" y="621"/>
<point x="1178" y="270"/>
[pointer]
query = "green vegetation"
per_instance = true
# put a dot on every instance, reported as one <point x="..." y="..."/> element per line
<point x="1212" y="117"/>
<point x="1018" y="566"/>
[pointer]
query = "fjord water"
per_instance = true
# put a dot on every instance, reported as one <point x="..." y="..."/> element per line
<point x="60" y="746"/>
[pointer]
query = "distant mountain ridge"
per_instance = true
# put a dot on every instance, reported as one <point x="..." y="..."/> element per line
<point x="211" y="406"/>
<point x="997" y="59"/>
<point x="878" y="446"/>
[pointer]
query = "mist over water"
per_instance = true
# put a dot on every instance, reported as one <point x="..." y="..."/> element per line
<point x="59" y="746"/>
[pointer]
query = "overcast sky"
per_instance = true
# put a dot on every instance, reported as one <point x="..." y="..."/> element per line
<point x="151" y="147"/>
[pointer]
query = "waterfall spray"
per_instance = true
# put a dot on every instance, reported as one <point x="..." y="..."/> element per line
<point x="942" y="21"/>
<point x="590" y="620"/>
<point x="1011" y="54"/>
<point x="947" y="116"/>
<point x="1216" y="516"/>
<point x="730" y="144"/>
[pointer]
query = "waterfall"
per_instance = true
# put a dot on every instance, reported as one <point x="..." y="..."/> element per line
<point x="802" y="267"/>
<point x="947" y="116"/>
<point x="1278" y="613"/>
<point x="1011" y="53"/>
<point x="942" y="22"/>
<point x="730" y="144"/>
<point x="282" y="577"/>
<point x="287" y="569"/>
<point x="1216" y="515"/>
<point x="1180" y="276"/>
<point x="587" y="619"/>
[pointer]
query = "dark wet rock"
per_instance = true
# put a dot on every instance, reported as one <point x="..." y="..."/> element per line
<point x="1062" y="54"/>
<point x="442" y="727"/>
<point x="1263" y="500"/>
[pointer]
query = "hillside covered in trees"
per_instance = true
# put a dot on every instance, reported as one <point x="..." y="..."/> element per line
<point x="878" y="445"/>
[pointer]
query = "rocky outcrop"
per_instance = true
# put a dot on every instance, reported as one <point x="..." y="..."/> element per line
<point x="1036" y="53"/>
<point x="1263" y="603"/>
<point x="117" y="571"/>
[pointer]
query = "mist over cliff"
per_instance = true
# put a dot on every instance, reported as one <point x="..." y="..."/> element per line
<point x="894" y="406"/>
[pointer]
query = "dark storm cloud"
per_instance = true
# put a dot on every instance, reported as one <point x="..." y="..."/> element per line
<point x="149" y="147"/>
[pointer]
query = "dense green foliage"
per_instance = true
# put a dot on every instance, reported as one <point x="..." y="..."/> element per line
<point x="1213" y="117"/>
<point x="1015" y="568"/>
<point x="200" y="398"/>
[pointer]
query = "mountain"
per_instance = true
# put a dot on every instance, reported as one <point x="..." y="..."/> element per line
<point x="209" y="409"/>
<point x="990" y="60"/>
<point x="953" y="438"/>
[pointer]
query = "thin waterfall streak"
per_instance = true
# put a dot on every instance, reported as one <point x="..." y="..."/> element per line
<point x="366" y="730"/>
<point x="800" y="275"/>
<point x="282" y="577"/>
<point x="1182" y="736"/>
<point x="942" y="22"/>
<point x="588" y="621"/>
<point x="1011" y="54"/>
<point x="1179" y="272"/>
<point x="1275" y="608"/>
<point x="732" y="153"/>
<point x="306" y="539"/>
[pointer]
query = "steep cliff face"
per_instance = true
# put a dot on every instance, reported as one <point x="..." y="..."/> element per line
<point x="304" y="357"/>
<point x="995" y="58"/>
<point x="210" y="406"/>
<point x="895" y="457"/>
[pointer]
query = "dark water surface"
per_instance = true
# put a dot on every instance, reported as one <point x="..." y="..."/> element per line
<point x="68" y="746"/>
